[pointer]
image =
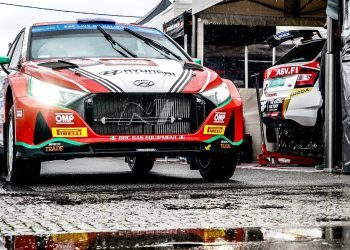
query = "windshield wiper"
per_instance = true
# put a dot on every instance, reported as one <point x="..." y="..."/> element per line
<point x="113" y="42"/>
<point x="153" y="43"/>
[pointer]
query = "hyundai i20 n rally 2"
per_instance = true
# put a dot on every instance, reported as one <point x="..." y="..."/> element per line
<point x="95" y="88"/>
<point x="292" y="99"/>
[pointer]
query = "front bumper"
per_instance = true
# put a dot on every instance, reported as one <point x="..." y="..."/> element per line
<point x="51" y="133"/>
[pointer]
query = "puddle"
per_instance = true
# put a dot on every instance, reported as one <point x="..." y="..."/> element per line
<point x="238" y="238"/>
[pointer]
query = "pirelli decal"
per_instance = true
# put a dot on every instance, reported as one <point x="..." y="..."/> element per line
<point x="214" y="130"/>
<point x="69" y="132"/>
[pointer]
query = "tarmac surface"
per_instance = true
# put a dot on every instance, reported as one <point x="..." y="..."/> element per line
<point x="99" y="201"/>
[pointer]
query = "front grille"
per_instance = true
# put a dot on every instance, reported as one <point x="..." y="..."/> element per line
<point x="145" y="114"/>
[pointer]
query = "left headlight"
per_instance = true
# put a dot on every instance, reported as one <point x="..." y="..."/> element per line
<point x="218" y="95"/>
<point x="51" y="94"/>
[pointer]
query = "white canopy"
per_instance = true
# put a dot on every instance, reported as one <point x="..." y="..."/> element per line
<point x="261" y="12"/>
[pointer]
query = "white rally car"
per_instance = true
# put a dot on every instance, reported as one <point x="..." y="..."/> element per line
<point x="292" y="98"/>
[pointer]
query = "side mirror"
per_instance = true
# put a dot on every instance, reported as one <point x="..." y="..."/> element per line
<point x="198" y="61"/>
<point x="4" y="60"/>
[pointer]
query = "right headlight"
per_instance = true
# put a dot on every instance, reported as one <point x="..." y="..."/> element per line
<point x="52" y="94"/>
<point x="217" y="95"/>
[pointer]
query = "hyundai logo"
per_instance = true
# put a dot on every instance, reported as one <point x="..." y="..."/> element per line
<point x="144" y="83"/>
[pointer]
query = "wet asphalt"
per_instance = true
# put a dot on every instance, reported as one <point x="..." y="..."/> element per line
<point x="99" y="204"/>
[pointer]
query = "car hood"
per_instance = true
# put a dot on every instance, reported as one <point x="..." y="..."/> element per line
<point x="124" y="75"/>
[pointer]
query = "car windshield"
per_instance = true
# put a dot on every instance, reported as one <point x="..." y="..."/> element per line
<point x="85" y="40"/>
<point x="302" y="53"/>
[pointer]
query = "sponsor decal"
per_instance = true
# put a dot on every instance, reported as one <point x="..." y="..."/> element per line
<point x="69" y="132"/>
<point x="300" y="92"/>
<point x="137" y="71"/>
<point x="144" y="83"/>
<point x="219" y="117"/>
<point x="127" y="62"/>
<point x="225" y="145"/>
<point x="146" y="149"/>
<point x="64" y="118"/>
<point x="54" y="147"/>
<point x="271" y="106"/>
<point x="214" y="130"/>
<point x="271" y="94"/>
<point x="85" y="26"/>
<point x="283" y="34"/>
<point x="208" y="147"/>
<point x="287" y="71"/>
<point x="19" y="113"/>
<point x="283" y="160"/>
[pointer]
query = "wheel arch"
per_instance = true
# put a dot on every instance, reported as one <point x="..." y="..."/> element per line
<point x="8" y="102"/>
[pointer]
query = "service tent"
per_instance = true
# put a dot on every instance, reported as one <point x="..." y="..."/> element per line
<point x="261" y="12"/>
<point x="165" y="13"/>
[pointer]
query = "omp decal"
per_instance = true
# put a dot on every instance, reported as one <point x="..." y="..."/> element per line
<point x="224" y="138"/>
<point x="64" y="118"/>
<point x="219" y="117"/>
<point x="297" y="92"/>
<point x="19" y="113"/>
<point x="208" y="147"/>
<point x="104" y="82"/>
<point x="69" y="132"/>
<point x="214" y="130"/>
<point x="39" y="146"/>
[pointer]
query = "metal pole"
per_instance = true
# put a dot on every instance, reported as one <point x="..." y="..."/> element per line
<point x="186" y="43"/>
<point x="246" y="73"/>
<point x="194" y="36"/>
<point x="330" y="99"/>
<point x="273" y="56"/>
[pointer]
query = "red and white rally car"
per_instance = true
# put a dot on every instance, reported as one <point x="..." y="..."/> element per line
<point x="292" y="96"/>
<point x="97" y="88"/>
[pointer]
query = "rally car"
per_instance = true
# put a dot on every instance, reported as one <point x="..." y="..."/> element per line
<point x="292" y="97"/>
<point x="94" y="88"/>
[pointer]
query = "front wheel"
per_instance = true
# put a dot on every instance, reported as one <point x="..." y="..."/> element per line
<point x="16" y="170"/>
<point x="140" y="165"/>
<point x="216" y="167"/>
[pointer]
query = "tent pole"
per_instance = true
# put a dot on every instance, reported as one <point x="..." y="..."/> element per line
<point x="330" y="99"/>
<point x="246" y="69"/>
<point x="194" y="36"/>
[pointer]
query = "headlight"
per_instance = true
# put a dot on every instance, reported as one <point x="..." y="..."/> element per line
<point x="218" y="94"/>
<point x="52" y="94"/>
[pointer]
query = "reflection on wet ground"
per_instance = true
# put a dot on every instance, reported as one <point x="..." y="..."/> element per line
<point x="239" y="238"/>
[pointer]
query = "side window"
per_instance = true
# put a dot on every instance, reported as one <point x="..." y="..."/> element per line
<point x="16" y="55"/>
<point x="346" y="16"/>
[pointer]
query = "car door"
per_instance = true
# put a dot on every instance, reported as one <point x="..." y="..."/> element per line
<point x="14" y="54"/>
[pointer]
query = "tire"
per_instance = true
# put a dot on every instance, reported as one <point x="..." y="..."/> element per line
<point x="140" y="165"/>
<point x="17" y="171"/>
<point x="217" y="167"/>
